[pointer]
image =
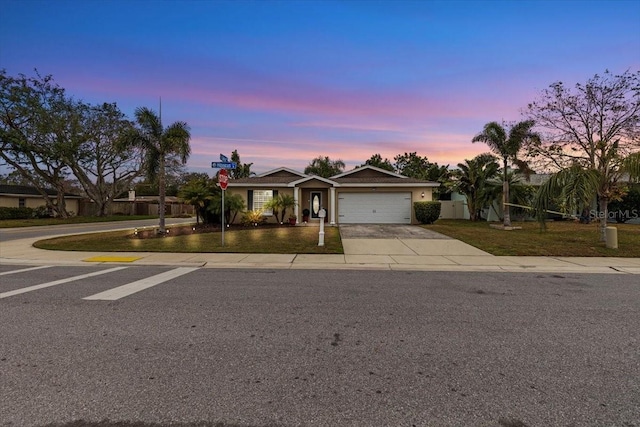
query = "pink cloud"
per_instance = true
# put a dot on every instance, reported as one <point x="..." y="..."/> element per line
<point x="289" y="96"/>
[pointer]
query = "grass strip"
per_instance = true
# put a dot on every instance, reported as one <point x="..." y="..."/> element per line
<point x="562" y="238"/>
<point x="271" y="240"/>
<point x="34" y="222"/>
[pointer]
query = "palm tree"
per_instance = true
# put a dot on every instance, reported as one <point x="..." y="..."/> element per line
<point x="196" y="193"/>
<point x="473" y="180"/>
<point x="242" y="170"/>
<point x="233" y="204"/>
<point x="507" y="145"/>
<point x="280" y="204"/>
<point x="577" y="186"/>
<point x="324" y="167"/>
<point x="162" y="145"/>
<point x="520" y="193"/>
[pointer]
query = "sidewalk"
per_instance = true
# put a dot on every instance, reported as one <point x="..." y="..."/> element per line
<point x="381" y="254"/>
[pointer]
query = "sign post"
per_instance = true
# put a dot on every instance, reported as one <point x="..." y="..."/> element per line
<point x="223" y="181"/>
<point x="322" y="214"/>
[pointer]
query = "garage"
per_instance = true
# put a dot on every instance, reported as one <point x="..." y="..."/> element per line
<point x="374" y="208"/>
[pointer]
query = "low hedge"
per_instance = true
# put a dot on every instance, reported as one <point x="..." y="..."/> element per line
<point x="427" y="212"/>
<point x="16" y="213"/>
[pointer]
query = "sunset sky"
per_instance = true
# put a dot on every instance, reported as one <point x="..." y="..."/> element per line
<point x="283" y="82"/>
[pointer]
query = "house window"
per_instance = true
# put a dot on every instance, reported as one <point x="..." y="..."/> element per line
<point x="22" y="202"/>
<point x="260" y="197"/>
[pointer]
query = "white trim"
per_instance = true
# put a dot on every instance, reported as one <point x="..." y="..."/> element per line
<point x="332" y="201"/>
<point x="262" y="175"/>
<point x="296" y="199"/>
<point x="276" y="186"/>
<point x="388" y="185"/>
<point x="251" y="185"/>
<point x="311" y="177"/>
<point x="343" y="174"/>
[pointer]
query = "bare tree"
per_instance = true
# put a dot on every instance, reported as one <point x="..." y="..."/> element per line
<point x="39" y="128"/>
<point x="595" y="127"/>
<point x="103" y="164"/>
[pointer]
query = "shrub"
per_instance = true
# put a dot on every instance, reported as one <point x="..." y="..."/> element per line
<point x="427" y="212"/>
<point x="253" y="217"/>
<point x="42" y="212"/>
<point x="627" y="208"/>
<point x="16" y="213"/>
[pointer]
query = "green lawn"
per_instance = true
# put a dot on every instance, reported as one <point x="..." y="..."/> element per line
<point x="11" y="223"/>
<point x="562" y="238"/>
<point x="278" y="240"/>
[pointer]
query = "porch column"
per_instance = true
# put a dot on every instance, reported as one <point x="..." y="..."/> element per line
<point x="296" y="196"/>
<point x="332" y="199"/>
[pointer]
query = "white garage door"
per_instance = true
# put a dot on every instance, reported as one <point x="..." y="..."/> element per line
<point x="374" y="208"/>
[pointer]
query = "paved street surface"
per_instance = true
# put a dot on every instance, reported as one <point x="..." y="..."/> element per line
<point x="269" y="347"/>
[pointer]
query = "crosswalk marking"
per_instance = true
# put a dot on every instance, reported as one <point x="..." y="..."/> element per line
<point x="140" y="285"/>
<point x="58" y="282"/>
<point x="22" y="270"/>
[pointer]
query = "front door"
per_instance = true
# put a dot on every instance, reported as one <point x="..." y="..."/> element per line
<point x="316" y="204"/>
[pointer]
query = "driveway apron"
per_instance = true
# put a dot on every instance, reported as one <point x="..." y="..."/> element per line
<point x="401" y="240"/>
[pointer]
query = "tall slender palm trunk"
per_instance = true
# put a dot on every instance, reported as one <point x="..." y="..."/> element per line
<point x="604" y="205"/>
<point x="505" y="198"/>
<point x="162" y="193"/>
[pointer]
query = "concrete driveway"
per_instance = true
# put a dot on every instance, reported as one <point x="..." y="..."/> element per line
<point x="401" y="240"/>
<point x="387" y="231"/>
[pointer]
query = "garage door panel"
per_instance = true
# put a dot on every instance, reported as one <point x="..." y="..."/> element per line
<point x="376" y="208"/>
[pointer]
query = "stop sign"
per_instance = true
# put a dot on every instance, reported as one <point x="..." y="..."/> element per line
<point x="223" y="179"/>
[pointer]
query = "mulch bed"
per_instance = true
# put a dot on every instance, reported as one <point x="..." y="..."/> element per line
<point x="180" y="230"/>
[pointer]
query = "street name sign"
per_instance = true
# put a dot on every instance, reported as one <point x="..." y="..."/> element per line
<point x="224" y="165"/>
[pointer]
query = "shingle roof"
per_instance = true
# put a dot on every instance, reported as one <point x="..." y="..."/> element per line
<point x="29" y="191"/>
<point x="265" y="180"/>
<point x="380" y="180"/>
<point x="364" y="175"/>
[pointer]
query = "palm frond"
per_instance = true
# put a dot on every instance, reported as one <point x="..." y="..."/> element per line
<point x="631" y="166"/>
<point x="176" y="140"/>
<point x="495" y="136"/>
<point x="149" y="122"/>
<point x="573" y="186"/>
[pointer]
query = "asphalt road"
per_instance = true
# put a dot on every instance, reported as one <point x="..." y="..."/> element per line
<point x="320" y="348"/>
<point x="7" y="234"/>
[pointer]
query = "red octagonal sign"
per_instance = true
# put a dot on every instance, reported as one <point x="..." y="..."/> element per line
<point x="223" y="179"/>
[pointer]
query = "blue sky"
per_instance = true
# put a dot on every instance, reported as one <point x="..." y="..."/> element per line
<point x="286" y="81"/>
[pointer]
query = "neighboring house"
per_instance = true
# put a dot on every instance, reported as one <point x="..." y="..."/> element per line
<point x="364" y="195"/>
<point x="23" y="196"/>
<point x="148" y="205"/>
<point x="456" y="208"/>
